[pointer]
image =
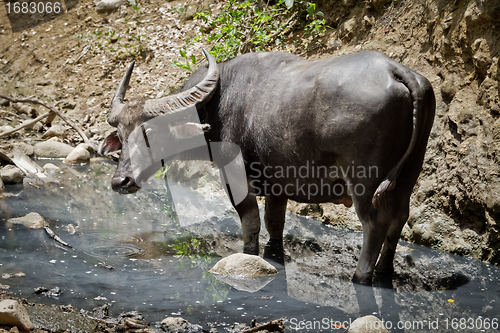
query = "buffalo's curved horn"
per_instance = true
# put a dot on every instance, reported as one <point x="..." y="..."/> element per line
<point x="197" y="95"/>
<point x="117" y="101"/>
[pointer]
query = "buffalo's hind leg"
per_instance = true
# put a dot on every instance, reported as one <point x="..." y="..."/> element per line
<point x="275" y="223"/>
<point x="382" y="226"/>
<point x="385" y="264"/>
<point x="375" y="226"/>
<point x="275" y="217"/>
<point x="248" y="210"/>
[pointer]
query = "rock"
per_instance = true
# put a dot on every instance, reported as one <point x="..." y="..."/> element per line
<point x="71" y="229"/>
<point x="52" y="149"/>
<point x="4" y="102"/>
<point x="180" y="325"/>
<point x="51" y="167"/>
<point x="12" y="313"/>
<point x="243" y="265"/>
<point x="55" y="130"/>
<point x="78" y="155"/>
<point x="25" y="109"/>
<point x="8" y="128"/>
<point x="87" y="146"/>
<point x="57" y="320"/>
<point x="32" y="220"/>
<point x="54" y="292"/>
<point x="367" y="324"/>
<point x="348" y="27"/>
<point x="2" y="186"/>
<point x="101" y="312"/>
<point x="35" y="127"/>
<point x="108" y="6"/>
<point x="11" y="174"/>
<point x="25" y="148"/>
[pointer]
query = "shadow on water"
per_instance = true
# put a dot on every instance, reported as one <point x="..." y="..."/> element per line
<point x="161" y="262"/>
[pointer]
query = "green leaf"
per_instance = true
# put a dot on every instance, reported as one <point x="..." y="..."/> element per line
<point x="289" y="3"/>
<point x="310" y="10"/>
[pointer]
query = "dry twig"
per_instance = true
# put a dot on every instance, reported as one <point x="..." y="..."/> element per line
<point x="26" y="124"/>
<point x="48" y="106"/>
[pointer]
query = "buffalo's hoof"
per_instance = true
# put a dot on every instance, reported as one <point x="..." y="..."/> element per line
<point x="274" y="251"/>
<point x="383" y="280"/>
<point x="363" y="280"/>
<point x="252" y="251"/>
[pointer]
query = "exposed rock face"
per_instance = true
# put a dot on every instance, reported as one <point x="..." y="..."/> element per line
<point x="13" y="314"/>
<point x="456" y="202"/>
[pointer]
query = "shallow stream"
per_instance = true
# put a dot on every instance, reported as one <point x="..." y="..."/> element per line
<point x="161" y="244"/>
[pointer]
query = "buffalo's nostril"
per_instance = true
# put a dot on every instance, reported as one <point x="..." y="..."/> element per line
<point x="124" y="184"/>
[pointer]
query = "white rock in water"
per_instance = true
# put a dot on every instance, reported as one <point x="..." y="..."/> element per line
<point x="243" y="265"/>
<point x="51" y="167"/>
<point x="52" y="149"/>
<point x="78" y="155"/>
<point x="32" y="220"/>
<point x="71" y="229"/>
<point x="14" y="314"/>
<point x="367" y="324"/>
<point x="11" y="174"/>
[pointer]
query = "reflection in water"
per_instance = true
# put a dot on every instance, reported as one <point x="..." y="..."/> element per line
<point x="161" y="268"/>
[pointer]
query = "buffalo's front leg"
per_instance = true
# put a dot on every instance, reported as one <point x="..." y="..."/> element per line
<point x="248" y="210"/>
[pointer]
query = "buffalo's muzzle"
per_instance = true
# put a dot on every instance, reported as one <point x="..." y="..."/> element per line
<point x="124" y="185"/>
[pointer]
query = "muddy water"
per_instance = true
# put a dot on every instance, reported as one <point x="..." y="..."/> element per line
<point x="161" y="244"/>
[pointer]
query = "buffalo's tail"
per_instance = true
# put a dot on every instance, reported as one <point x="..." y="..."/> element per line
<point x="417" y="92"/>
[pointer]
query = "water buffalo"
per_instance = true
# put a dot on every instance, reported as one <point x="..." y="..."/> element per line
<point x="350" y="130"/>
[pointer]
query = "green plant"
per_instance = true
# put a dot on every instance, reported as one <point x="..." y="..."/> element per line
<point x="136" y="6"/>
<point x="189" y="65"/>
<point x="242" y="27"/>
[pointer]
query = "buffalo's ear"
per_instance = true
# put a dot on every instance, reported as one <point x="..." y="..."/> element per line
<point x="110" y="144"/>
<point x="188" y="130"/>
